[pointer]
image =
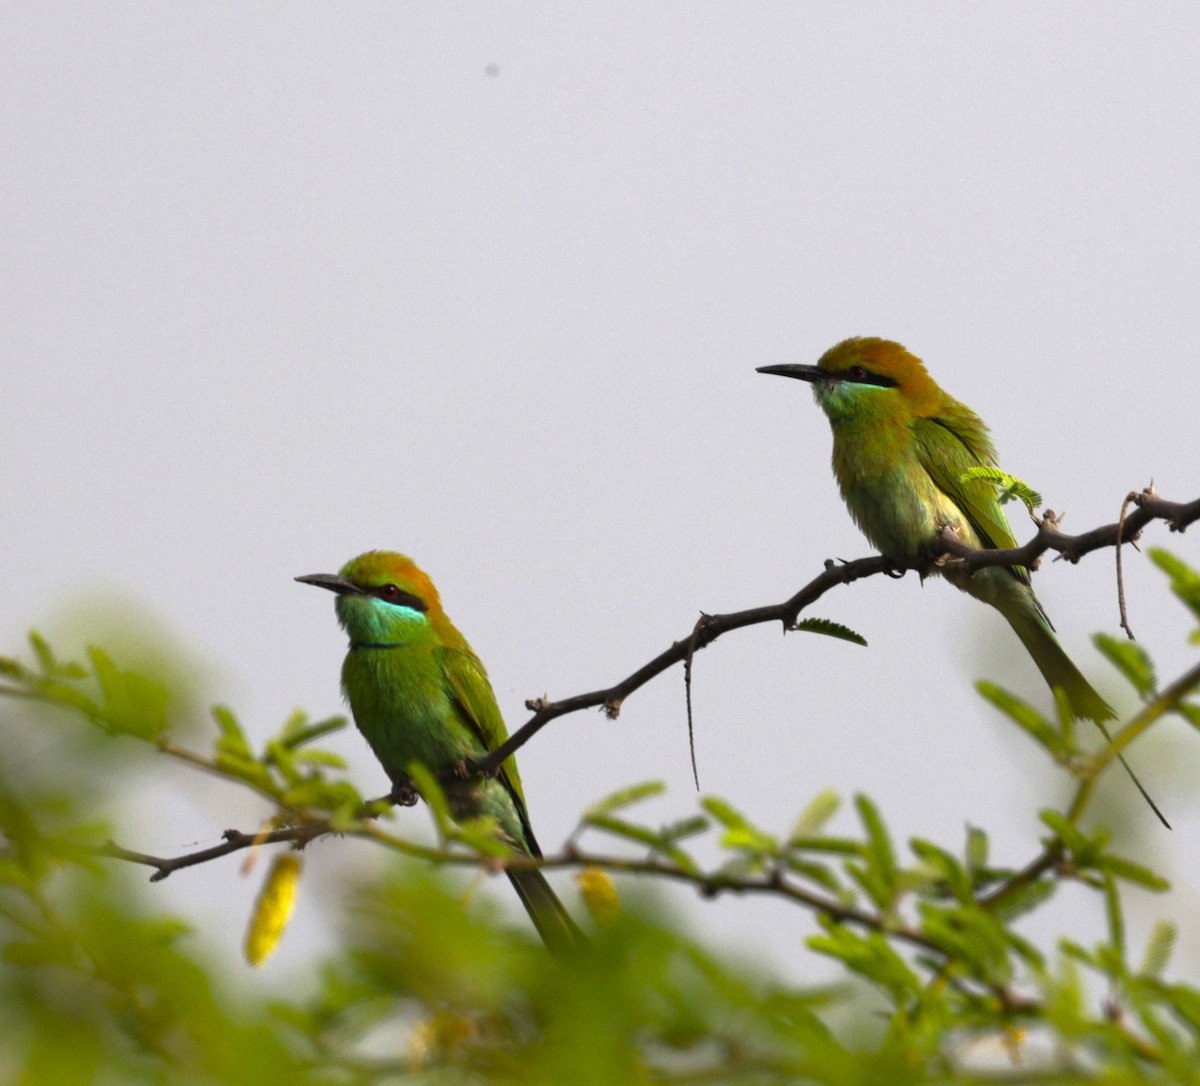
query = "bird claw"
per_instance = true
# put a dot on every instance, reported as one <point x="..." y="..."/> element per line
<point x="403" y="794"/>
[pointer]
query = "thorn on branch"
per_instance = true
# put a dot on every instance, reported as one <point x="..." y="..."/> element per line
<point x="1051" y="535"/>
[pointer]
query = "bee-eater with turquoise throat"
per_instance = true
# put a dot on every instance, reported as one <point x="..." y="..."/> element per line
<point x="900" y="448"/>
<point x="418" y="693"/>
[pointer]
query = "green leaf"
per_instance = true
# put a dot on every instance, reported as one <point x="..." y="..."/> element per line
<point x="1024" y="898"/>
<point x="685" y="827"/>
<point x="432" y="793"/>
<point x="868" y="955"/>
<point x="1159" y="949"/>
<point x="624" y="797"/>
<point x="51" y="667"/>
<point x="842" y="846"/>
<point x="829" y="629"/>
<point x="299" y="736"/>
<point x="71" y="697"/>
<point x="36" y="954"/>
<point x="1073" y="950"/>
<point x="1130" y="659"/>
<point x="1184" y="1000"/>
<point x="1023" y="714"/>
<point x="1134" y="872"/>
<point x="725" y="814"/>
<point x="969" y="936"/>
<point x="1065" y="714"/>
<point x="246" y="769"/>
<point x="1190" y="712"/>
<point x="1185" y="581"/>
<point x="43" y="652"/>
<point x="1066" y="831"/>
<point x="879" y="853"/>
<point x="1010" y="486"/>
<point x="232" y="739"/>
<point x="1116" y="919"/>
<point x="819" y="873"/>
<point x="13" y="669"/>
<point x="977" y="848"/>
<point x="750" y="839"/>
<point x="279" y="756"/>
<point x="881" y="892"/>
<point x="132" y="703"/>
<point x="819" y="811"/>
<point x="630" y="831"/>
<point x="320" y="757"/>
<point x="739" y="832"/>
<point x="1024" y="948"/>
<point x="944" y="866"/>
<point x="481" y="833"/>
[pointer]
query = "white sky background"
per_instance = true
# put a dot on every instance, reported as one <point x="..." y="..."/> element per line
<point x="280" y="284"/>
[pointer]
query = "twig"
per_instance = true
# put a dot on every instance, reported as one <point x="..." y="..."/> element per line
<point x="1130" y="497"/>
<point x="234" y="841"/>
<point x="687" y="691"/>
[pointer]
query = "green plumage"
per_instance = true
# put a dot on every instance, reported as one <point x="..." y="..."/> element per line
<point x="418" y="693"/>
<point x="900" y="448"/>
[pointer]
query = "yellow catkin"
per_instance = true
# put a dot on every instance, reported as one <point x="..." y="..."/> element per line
<point x="273" y="907"/>
<point x="599" y="895"/>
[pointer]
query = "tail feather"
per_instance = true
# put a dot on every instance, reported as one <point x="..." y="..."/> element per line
<point x="1057" y="668"/>
<point x="554" y="924"/>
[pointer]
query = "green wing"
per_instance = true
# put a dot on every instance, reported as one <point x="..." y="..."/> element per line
<point x="477" y="707"/>
<point x="947" y="446"/>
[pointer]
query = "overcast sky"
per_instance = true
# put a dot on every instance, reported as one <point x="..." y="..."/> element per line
<point x="487" y="284"/>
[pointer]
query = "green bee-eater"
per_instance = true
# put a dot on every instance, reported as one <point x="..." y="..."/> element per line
<point x="418" y="693"/>
<point x="900" y="448"/>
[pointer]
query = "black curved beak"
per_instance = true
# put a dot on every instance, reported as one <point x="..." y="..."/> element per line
<point x="334" y="583"/>
<point x="803" y="373"/>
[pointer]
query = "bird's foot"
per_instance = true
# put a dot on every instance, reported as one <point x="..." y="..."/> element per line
<point x="403" y="794"/>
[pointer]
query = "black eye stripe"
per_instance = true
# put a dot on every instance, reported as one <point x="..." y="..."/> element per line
<point x="860" y="375"/>
<point x="389" y="593"/>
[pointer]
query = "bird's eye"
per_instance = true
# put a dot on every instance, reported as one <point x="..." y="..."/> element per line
<point x="391" y="593"/>
<point x="857" y="373"/>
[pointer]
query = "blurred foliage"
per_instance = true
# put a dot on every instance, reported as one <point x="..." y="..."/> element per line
<point x="97" y="987"/>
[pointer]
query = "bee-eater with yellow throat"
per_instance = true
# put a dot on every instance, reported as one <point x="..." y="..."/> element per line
<point x="418" y="693"/>
<point x="900" y="448"/>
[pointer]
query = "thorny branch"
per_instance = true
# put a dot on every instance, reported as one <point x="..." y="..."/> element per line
<point x="774" y="882"/>
<point x="234" y="841"/>
<point x="1150" y="507"/>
